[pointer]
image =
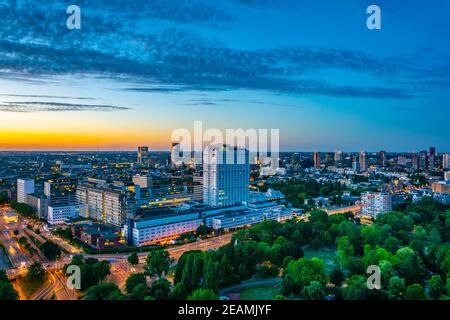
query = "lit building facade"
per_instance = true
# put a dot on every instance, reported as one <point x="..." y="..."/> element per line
<point x="160" y="229"/>
<point x="142" y="155"/>
<point x="375" y="203"/>
<point x="317" y="162"/>
<point x="144" y="181"/>
<point x="24" y="187"/>
<point x="446" y="161"/>
<point x="106" y="205"/>
<point x="59" y="213"/>
<point x="226" y="175"/>
<point x="362" y="161"/>
<point x="61" y="191"/>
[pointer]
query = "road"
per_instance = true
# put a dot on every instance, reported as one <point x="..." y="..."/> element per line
<point x="175" y="252"/>
<point x="121" y="269"/>
<point x="55" y="285"/>
<point x="16" y="254"/>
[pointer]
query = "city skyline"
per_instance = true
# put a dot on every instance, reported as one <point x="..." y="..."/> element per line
<point x="137" y="73"/>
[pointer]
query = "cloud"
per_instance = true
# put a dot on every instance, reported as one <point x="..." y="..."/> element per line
<point x="45" y="96"/>
<point x="174" y="60"/>
<point x="39" y="106"/>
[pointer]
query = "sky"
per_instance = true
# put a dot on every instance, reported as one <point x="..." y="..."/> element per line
<point x="137" y="70"/>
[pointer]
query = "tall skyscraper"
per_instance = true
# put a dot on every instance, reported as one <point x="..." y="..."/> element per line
<point x="338" y="156"/>
<point x="24" y="187"/>
<point x="317" y="160"/>
<point x="61" y="191"/>
<point x="446" y="161"/>
<point x="415" y="161"/>
<point x="382" y="158"/>
<point x="423" y="160"/>
<point x="432" y="159"/>
<point x="329" y="157"/>
<point x="226" y="175"/>
<point x="362" y="161"/>
<point x="142" y="155"/>
<point x="432" y="151"/>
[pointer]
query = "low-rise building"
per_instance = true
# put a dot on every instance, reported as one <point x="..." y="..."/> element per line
<point x="58" y="214"/>
<point x="96" y="235"/>
<point x="160" y="228"/>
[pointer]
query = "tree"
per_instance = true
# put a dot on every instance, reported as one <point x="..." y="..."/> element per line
<point x="415" y="292"/>
<point x="396" y="287"/>
<point x="435" y="286"/>
<point x="160" y="289"/>
<point x="3" y="197"/>
<point x="133" y="259"/>
<point x="301" y="273"/>
<point x="104" y="291"/>
<point x="315" y="291"/>
<point x="356" y="289"/>
<point x="36" y="272"/>
<point x="92" y="270"/>
<point x="211" y="274"/>
<point x="201" y="231"/>
<point x="337" y="277"/>
<point x="134" y="280"/>
<point x="203" y="294"/>
<point x="409" y="266"/>
<point x="158" y="262"/>
<point x="140" y="292"/>
<point x="7" y="291"/>
<point x="50" y="250"/>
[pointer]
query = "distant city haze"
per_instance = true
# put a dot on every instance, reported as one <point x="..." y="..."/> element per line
<point x="312" y="69"/>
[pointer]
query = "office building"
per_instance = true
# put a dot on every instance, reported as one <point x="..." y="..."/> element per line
<point x="415" y="162"/>
<point x="446" y="161"/>
<point x="39" y="203"/>
<point x="362" y="161"/>
<point x="160" y="228"/>
<point x="338" y="156"/>
<point x="316" y="158"/>
<point x="423" y="160"/>
<point x="59" y="214"/>
<point x="382" y="158"/>
<point x="61" y="191"/>
<point x="447" y="175"/>
<point x="401" y="161"/>
<point x="226" y="175"/>
<point x="251" y="217"/>
<point x="24" y="187"/>
<point x="106" y="205"/>
<point x="375" y="203"/>
<point x="144" y="181"/>
<point x="142" y="155"/>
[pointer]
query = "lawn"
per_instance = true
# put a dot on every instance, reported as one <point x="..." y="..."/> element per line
<point x="326" y="254"/>
<point x="261" y="293"/>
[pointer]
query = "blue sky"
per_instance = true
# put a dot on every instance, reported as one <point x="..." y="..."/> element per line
<point x="139" y="69"/>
